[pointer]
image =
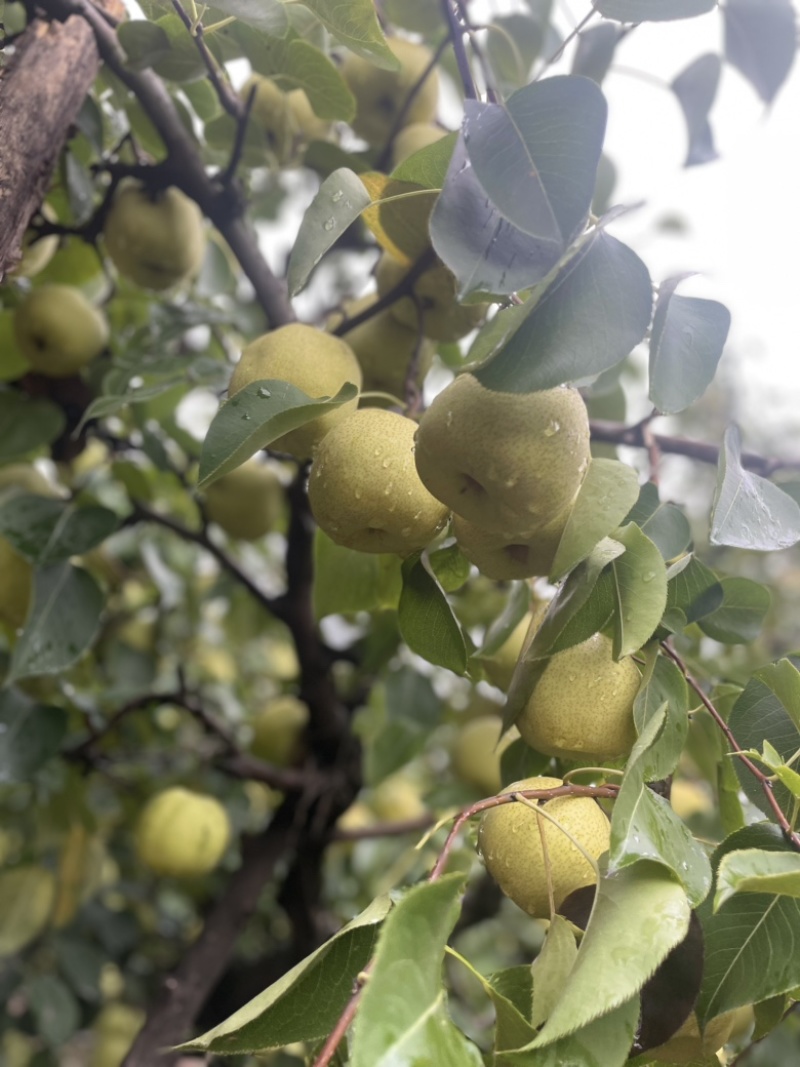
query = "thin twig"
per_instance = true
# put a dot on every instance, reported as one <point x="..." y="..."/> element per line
<point x="456" y="33"/>
<point x="227" y="97"/>
<point x="391" y="296"/>
<point x="399" y="120"/>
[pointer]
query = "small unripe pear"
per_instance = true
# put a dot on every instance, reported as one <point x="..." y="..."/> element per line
<point x="397" y="798"/>
<point x="316" y="362"/>
<point x="436" y="312"/>
<point x="278" y="730"/>
<point x="506" y="559"/>
<point x="58" y="331"/>
<point x="413" y="138"/>
<point x="364" y="489"/>
<point x="305" y="121"/>
<point x="182" y="833"/>
<point x="478" y="750"/>
<point x="500" y="667"/>
<point x="247" y="502"/>
<point x="528" y="469"/>
<point x="381" y="94"/>
<point x="582" y="706"/>
<point x="510" y="841"/>
<point x="114" y="1031"/>
<point x="154" y="240"/>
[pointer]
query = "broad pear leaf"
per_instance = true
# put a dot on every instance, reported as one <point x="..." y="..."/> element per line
<point x="32" y="733"/>
<point x="356" y="25"/>
<point x="760" y="41"/>
<point x="751" y="870"/>
<point x="426" y="619"/>
<point x="696" y="87"/>
<point x="47" y="531"/>
<point x="28" y="423"/>
<point x="595" y="51"/>
<point x="551" y="968"/>
<point x="739" y="617"/>
<point x="640" y="585"/>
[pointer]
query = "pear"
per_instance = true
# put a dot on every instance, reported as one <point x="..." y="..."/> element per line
<point x="278" y="730"/>
<point x="113" y="1032"/>
<point x="384" y="348"/>
<point x="27" y="896"/>
<point x="58" y="331"/>
<point x="478" y="750"/>
<point x="247" y="502"/>
<point x="315" y="362"/>
<point x="500" y="667"/>
<point x="510" y="841"/>
<point x="691" y="1045"/>
<point x="397" y="798"/>
<point x="381" y="94"/>
<point x="155" y="240"/>
<point x="505" y="559"/>
<point x="182" y="833"/>
<point x="364" y="489"/>
<point x="305" y="121"/>
<point x="511" y="463"/>
<point x="582" y="706"/>
<point x="436" y="311"/>
<point x="272" y="114"/>
<point x="413" y="138"/>
<point x="16" y="573"/>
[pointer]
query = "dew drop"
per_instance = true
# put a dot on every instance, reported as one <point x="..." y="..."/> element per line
<point x="648" y="576"/>
<point x="328" y="225"/>
<point x="265" y="394"/>
<point x="337" y="196"/>
<point x="552" y="428"/>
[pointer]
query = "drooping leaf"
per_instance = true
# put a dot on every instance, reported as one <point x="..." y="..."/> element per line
<point x="428" y="166"/>
<point x="536" y="157"/>
<point x="685" y="347"/>
<point x="356" y="25"/>
<point x="608" y="491"/>
<point x="666" y="688"/>
<point x="739" y="618"/>
<point x="31" y="734"/>
<point x="28" y="423"/>
<point x="347" y="581"/>
<point x="752" y="870"/>
<point x="54" y="1007"/>
<point x="588" y="320"/>
<point x="47" y="531"/>
<point x="753" y="940"/>
<point x="639" y="915"/>
<point x="653" y="10"/>
<point x="426" y="619"/>
<point x="605" y="1041"/>
<point x="62" y="623"/>
<point x="305" y="1003"/>
<point x="551" y="969"/>
<point x="696" y="89"/>
<point x="748" y="511"/>
<point x="644" y="826"/>
<point x="517" y="606"/>
<point x="595" y="51"/>
<point x="640" y="586"/>
<point x="256" y="416"/>
<point x="339" y="201"/>
<point x="760" y="41"/>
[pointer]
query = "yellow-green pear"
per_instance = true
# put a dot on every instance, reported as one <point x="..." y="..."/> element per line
<point x="689" y="798"/>
<point x="413" y="138"/>
<point x="381" y="94"/>
<point x="314" y="361"/>
<point x="500" y="667"/>
<point x="247" y="502"/>
<point x="436" y="311"/>
<point x="113" y="1032"/>
<point x="397" y="798"/>
<point x="25" y="478"/>
<point x="305" y="121"/>
<point x="384" y="347"/>
<point x="278" y="730"/>
<point x="582" y="706"/>
<point x="364" y="489"/>
<point x="478" y="750"/>
<point x="272" y="113"/>
<point x="59" y="331"/>
<point x="155" y="240"/>
<point x="511" y="463"/>
<point x="182" y="833"/>
<point x="506" y="559"/>
<point x="510" y="839"/>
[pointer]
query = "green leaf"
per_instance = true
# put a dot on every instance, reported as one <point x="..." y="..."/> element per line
<point x="305" y="1003"/>
<point x="640" y="586"/>
<point x="644" y="826"/>
<point x="551" y="969"/>
<point x="760" y="42"/>
<point x="48" y="531"/>
<point x="339" y="201"/>
<point x="653" y="10"/>
<point x="28" y="423"/>
<point x="346" y="581"/>
<point x="428" y="166"/>
<point x="668" y="529"/>
<point x="607" y="493"/>
<point x="309" y="69"/>
<point x="257" y="415"/>
<point x="588" y="320"/>
<point x="517" y="607"/>
<point x="738" y="620"/>
<point x="666" y="686"/>
<point x="753" y="940"/>
<point x="32" y="733"/>
<point x="62" y="623"/>
<point x="513" y="43"/>
<point x="450" y="566"/>
<point x="269" y="16"/>
<point x="402" y="1002"/>
<point x="426" y="619"/>
<point x="751" y="870"/>
<point x="639" y="915"/>
<point x="55" y="1009"/>
<point x="355" y="24"/>
<point x="605" y="1041"/>
<point x="693" y="591"/>
<point x="748" y="511"/>
<point x="143" y="42"/>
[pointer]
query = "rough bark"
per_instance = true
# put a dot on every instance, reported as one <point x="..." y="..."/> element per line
<point x="41" y="92"/>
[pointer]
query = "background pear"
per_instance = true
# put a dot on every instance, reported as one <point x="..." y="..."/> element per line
<point x="59" y="331"/>
<point x="278" y="730"/>
<point x="440" y="316"/>
<point x="510" y="841"/>
<point x="316" y="362"/>
<point x="511" y="463"/>
<point x="397" y="798"/>
<point x="499" y="667"/>
<point x="582" y="706"/>
<point x="364" y="489"/>
<point x="182" y="833"/>
<point x="413" y="138"/>
<point x="247" y="502"/>
<point x="154" y="240"/>
<point x="113" y="1031"/>
<point x="272" y="114"/>
<point x="478" y="750"/>
<point x="380" y="94"/>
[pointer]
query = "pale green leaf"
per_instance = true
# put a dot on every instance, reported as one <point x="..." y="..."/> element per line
<point x="355" y="24"/>
<point x="751" y="870"/>
<point x="604" y="1042"/>
<point x="551" y="969"/>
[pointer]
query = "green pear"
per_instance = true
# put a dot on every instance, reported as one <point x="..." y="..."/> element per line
<point x="384" y="348"/>
<point x="478" y="750"/>
<point x="305" y="120"/>
<point x="436" y="311"/>
<point x="691" y="1045"/>
<point x="511" y="463"/>
<point x="114" y="1031"/>
<point x="505" y="559"/>
<point x="247" y="502"/>
<point x="500" y="667"/>
<point x="27" y="895"/>
<point x="364" y="489"/>
<point x="272" y="114"/>
<point x="512" y="840"/>
<point x="413" y="138"/>
<point x="397" y="799"/>
<point x="58" y="331"/>
<point x="278" y="730"/>
<point x="317" y="363"/>
<point x="582" y="706"/>
<point x="155" y="240"/>
<point x="182" y="833"/>
<point x="381" y="94"/>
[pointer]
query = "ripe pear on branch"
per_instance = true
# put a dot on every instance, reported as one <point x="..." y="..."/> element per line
<point x="246" y="503"/>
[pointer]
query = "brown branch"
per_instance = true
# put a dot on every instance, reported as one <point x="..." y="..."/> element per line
<point x="391" y="296"/>
<point x="225" y="94"/>
<point x="384" y="829"/>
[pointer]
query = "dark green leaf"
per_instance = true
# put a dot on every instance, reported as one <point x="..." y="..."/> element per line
<point x="28" y="423"/>
<point x="30" y="734"/>
<point x="685" y="347"/>
<point x="551" y="969"/>
<point x="451" y="567"/>
<point x="739" y="618"/>
<point x="143" y="42"/>
<point x="665" y="686"/>
<point x="256" y="416"/>
<point x="696" y="87"/>
<point x="346" y="581"/>
<point x="760" y="41"/>
<point x="693" y="591"/>
<point x="752" y="870"/>
<point x="640" y="586"/>
<point x="48" y="531"/>
<point x="55" y="1009"/>
<point x="426" y="619"/>
<point x="653" y="10"/>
